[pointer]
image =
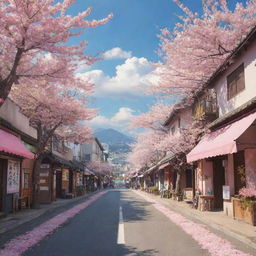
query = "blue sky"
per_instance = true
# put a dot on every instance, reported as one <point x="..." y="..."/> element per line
<point x="128" y="43"/>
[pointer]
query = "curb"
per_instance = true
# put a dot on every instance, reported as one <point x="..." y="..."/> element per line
<point x="226" y="231"/>
<point x="215" y="226"/>
<point x="49" y="210"/>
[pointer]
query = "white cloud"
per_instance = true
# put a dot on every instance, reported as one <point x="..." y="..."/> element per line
<point x="123" y="115"/>
<point x="120" y="118"/>
<point x="100" y="121"/>
<point x="116" y="53"/>
<point x="82" y="66"/>
<point x="129" y="80"/>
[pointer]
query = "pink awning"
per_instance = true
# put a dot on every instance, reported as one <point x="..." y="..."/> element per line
<point x="13" y="145"/>
<point x="222" y="141"/>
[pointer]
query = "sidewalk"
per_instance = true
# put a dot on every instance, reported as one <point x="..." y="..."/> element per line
<point x="14" y="220"/>
<point x="217" y="220"/>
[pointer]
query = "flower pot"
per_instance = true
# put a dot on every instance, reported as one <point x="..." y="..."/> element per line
<point x="245" y="211"/>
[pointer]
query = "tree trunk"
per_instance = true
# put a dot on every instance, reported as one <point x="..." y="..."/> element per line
<point x="178" y="179"/>
<point x="35" y="182"/>
<point x="7" y="83"/>
<point x="5" y="89"/>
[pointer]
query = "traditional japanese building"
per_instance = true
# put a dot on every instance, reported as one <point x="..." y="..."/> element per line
<point x="226" y="157"/>
<point x="17" y="140"/>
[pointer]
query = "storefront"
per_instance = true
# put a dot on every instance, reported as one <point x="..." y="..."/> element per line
<point x="12" y="152"/>
<point x="226" y="163"/>
<point x="54" y="178"/>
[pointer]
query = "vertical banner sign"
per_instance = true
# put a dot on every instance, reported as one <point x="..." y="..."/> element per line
<point x="13" y="177"/>
<point x="65" y="175"/>
<point x="226" y="192"/>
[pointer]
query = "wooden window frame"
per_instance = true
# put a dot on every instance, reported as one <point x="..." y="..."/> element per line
<point x="235" y="82"/>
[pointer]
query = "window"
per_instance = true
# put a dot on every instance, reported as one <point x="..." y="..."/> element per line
<point x="173" y="130"/>
<point x="57" y="145"/>
<point x="235" y="82"/>
<point x="87" y="157"/>
<point x="26" y="181"/>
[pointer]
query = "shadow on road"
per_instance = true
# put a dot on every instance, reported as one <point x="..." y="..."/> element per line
<point x="134" y="209"/>
<point x="132" y="251"/>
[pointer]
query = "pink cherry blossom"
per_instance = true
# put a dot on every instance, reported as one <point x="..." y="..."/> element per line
<point x="33" y="43"/>
<point x="100" y="168"/>
<point x="199" y="44"/>
<point x="247" y="192"/>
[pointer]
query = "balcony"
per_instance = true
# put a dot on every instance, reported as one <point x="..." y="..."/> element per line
<point x="206" y="107"/>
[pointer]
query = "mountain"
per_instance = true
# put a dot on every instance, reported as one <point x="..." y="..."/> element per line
<point x="118" y="142"/>
<point x="112" y="136"/>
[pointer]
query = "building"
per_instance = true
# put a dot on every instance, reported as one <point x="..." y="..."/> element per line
<point x="226" y="157"/>
<point x="18" y="140"/>
<point x="92" y="151"/>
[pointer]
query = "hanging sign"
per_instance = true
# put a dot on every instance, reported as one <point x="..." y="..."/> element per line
<point x="44" y="166"/>
<point x="13" y="177"/>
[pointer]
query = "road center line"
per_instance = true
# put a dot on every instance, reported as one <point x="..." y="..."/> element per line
<point x="120" y="235"/>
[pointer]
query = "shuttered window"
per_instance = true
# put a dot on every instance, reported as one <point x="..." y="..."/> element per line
<point x="235" y="82"/>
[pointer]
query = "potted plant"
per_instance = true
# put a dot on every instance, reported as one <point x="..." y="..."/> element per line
<point x="245" y="205"/>
<point x="154" y="190"/>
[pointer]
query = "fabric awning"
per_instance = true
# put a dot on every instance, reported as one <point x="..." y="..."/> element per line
<point x="222" y="141"/>
<point x="13" y="145"/>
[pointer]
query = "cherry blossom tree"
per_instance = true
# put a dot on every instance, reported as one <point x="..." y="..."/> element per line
<point x="199" y="44"/>
<point x="100" y="168"/>
<point x="53" y="110"/>
<point x="35" y="43"/>
<point x="144" y="151"/>
<point x="154" y="118"/>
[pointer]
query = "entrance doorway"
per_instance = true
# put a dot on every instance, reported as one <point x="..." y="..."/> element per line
<point x="58" y="183"/>
<point x="239" y="171"/>
<point x="189" y="178"/>
<point x="218" y="182"/>
<point x="1" y="183"/>
<point x="70" y="188"/>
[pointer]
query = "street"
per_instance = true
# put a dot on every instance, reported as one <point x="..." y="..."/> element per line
<point x="121" y="222"/>
<point x="128" y="128"/>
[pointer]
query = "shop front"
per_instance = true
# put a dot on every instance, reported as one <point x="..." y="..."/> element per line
<point x="54" y="178"/>
<point x="226" y="161"/>
<point x="12" y="152"/>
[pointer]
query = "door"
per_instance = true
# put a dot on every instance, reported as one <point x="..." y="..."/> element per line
<point x="239" y="171"/>
<point x="2" y="183"/>
<point x="161" y="174"/>
<point x="218" y="182"/>
<point x="189" y="178"/>
<point x="70" y="181"/>
<point x="27" y="185"/>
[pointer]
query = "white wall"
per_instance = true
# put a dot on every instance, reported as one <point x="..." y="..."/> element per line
<point x="92" y="148"/>
<point x="76" y="150"/>
<point x="10" y="112"/>
<point x="248" y="57"/>
<point x="185" y="116"/>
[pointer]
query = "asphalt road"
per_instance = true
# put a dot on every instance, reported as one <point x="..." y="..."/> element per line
<point x="94" y="231"/>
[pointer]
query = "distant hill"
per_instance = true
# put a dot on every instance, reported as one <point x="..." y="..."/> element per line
<point x="118" y="142"/>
